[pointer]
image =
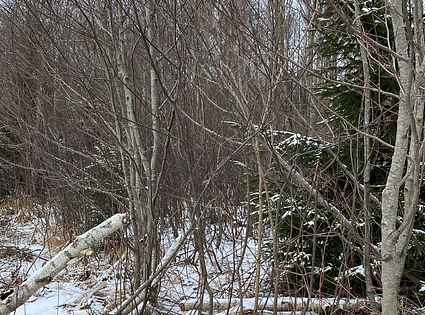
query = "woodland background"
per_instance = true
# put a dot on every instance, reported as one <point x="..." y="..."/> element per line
<point x="300" y="121"/>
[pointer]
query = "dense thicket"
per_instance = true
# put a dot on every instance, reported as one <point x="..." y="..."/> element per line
<point x="279" y="115"/>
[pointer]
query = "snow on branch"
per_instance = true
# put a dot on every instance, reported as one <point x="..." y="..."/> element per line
<point x="46" y="274"/>
<point x="301" y="182"/>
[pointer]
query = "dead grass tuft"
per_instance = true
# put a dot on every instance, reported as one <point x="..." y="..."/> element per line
<point x="39" y="218"/>
<point x="19" y="205"/>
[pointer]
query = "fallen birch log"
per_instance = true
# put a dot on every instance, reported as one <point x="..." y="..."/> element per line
<point x="218" y="305"/>
<point x="285" y="304"/>
<point x="46" y="274"/>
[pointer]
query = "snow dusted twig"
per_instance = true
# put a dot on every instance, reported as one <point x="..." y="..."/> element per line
<point x="46" y="274"/>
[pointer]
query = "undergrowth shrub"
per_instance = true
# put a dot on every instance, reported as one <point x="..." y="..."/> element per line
<point x="313" y="250"/>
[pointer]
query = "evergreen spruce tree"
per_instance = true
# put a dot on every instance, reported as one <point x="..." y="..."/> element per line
<point x="312" y="243"/>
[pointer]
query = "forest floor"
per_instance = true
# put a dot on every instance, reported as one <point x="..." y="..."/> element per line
<point x="96" y="282"/>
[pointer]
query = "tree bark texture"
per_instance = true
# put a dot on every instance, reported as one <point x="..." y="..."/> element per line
<point x="404" y="176"/>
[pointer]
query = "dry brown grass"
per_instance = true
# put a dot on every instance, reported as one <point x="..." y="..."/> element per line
<point x="39" y="219"/>
<point x="18" y="205"/>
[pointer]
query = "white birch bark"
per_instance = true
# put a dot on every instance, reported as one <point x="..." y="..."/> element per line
<point x="150" y="21"/>
<point x="124" y="128"/>
<point x="395" y="239"/>
<point x="141" y="171"/>
<point x="46" y="274"/>
<point x="283" y="305"/>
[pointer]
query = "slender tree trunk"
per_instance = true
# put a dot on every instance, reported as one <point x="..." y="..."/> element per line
<point x="260" y="228"/>
<point x="393" y="260"/>
<point x="395" y="239"/>
<point x="134" y="146"/>
<point x="367" y="163"/>
<point x="151" y="250"/>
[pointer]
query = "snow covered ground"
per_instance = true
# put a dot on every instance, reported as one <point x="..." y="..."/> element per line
<point x="25" y="247"/>
<point x="26" y="244"/>
<point x="95" y="283"/>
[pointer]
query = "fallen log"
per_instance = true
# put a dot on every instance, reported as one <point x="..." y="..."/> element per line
<point x="218" y="304"/>
<point x="46" y="274"/>
<point x="285" y="304"/>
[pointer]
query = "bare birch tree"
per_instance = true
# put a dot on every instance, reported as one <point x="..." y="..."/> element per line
<point x="406" y="173"/>
<point x="400" y="197"/>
